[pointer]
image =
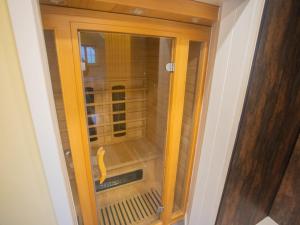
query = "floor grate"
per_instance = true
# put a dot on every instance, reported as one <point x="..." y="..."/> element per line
<point x="141" y="208"/>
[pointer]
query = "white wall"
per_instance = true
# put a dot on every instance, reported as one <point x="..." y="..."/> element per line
<point x="28" y="34"/>
<point x="238" y="30"/>
<point x="24" y="193"/>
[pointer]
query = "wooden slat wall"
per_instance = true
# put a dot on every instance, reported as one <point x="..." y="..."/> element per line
<point x="116" y="64"/>
<point x="270" y="121"/>
<point x="158" y="55"/>
<point x="286" y="207"/>
<point x="117" y="55"/>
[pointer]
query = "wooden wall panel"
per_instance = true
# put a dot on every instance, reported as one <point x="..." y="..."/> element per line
<point x="286" y="207"/>
<point x="117" y="55"/>
<point x="159" y="53"/>
<point x="120" y="61"/>
<point x="270" y="120"/>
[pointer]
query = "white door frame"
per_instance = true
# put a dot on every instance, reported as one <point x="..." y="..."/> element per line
<point x="234" y="49"/>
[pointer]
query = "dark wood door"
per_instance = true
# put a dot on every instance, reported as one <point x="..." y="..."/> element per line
<point x="286" y="206"/>
<point x="270" y="120"/>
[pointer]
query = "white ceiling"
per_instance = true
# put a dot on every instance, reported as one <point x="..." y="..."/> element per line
<point x="213" y="2"/>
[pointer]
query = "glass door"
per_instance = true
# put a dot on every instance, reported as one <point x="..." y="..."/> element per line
<point x="194" y="85"/>
<point x="126" y="82"/>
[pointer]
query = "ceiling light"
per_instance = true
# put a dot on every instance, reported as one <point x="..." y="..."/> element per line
<point x="137" y="11"/>
<point x="57" y="2"/>
<point x="195" y="20"/>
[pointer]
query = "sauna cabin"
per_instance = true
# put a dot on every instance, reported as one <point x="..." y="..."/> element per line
<point x="128" y="87"/>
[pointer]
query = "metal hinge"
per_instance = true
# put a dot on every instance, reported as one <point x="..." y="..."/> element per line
<point x="170" y="67"/>
<point x="83" y="66"/>
<point x="159" y="209"/>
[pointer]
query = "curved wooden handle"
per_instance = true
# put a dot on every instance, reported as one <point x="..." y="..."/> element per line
<point x="101" y="164"/>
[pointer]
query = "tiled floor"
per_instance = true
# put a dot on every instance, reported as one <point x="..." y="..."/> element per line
<point x="267" y="221"/>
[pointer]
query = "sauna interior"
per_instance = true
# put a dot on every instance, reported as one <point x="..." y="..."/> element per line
<point x="125" y="81"/>
<point x="126" y="90"/>
<point x="126" y="96"/>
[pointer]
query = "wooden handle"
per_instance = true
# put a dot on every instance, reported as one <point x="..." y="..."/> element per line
<point x="101" y="164"/>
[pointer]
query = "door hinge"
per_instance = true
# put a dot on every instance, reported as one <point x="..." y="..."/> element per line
<point x="83" y="66"/>
<point x="170" y="67"/>
<point x="159" y="209"/>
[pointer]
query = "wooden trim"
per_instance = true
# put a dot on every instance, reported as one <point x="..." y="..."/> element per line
<point x="83" y="123"/>
<point x="183" y="7"/>
<point x="175" y="114"/>
<point x="202" y="65"/>
<point x="175" y="109"/>
<point x="177" y="10"/>
<point x="99" y="26"/>
<point x="176" y="216"/>
<point x="126" y="23"/>
<point x="74" y="113"/>
<point x="197" y="114"/>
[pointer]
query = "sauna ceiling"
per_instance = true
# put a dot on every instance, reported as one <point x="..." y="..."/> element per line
<point x="186" y="11"/>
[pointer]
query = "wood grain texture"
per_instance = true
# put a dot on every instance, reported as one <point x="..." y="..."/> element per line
<point x="270" y="121"/>
<point x="286" y="207"/>
<point x="176" y="10"/>
<point x="187" y="123"/>
<point x="62" y="21"/>
<point x="114" y="22"/>
<point x="120" y="61"/>
<point x="56" y="87"/>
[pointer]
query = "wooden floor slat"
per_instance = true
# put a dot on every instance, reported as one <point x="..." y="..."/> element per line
<point x="122" y="214"/>
<point x="146" y="204"/>
<point x="139" y="209"/>
<point x="116" y="214"/>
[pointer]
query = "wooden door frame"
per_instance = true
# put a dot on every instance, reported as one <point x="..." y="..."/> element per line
<point x="198" y="106"/>
<point x="66" y="23"/>
<point x="176" y="10"/>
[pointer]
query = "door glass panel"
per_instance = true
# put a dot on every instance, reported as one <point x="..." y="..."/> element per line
<point x="126" y="88"/>
<point x="188" y="124"/>
<point x="60" y="111"/>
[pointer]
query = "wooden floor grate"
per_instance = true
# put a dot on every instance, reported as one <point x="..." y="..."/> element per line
<point x="141" y="208"/>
